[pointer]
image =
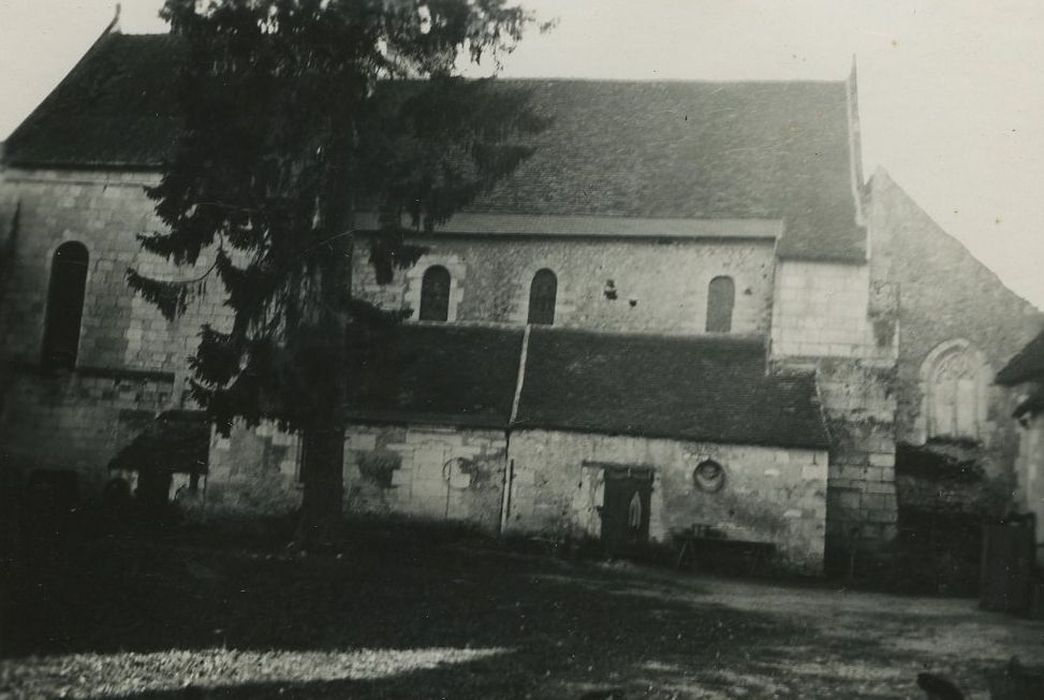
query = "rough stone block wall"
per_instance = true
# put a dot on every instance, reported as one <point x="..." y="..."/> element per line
<point x="859" y="404"/>
<point x="947" y="295"/>
<point x="422" y="471"/>
<point x="253" y="472"/>
<point x="121" y="335"/>
<point x="770" y="495"/>
<point x="841" y="320"/>
<point x="666" y="281"/>
<point x="103" y="211"/>
<point x="75" y="422"/>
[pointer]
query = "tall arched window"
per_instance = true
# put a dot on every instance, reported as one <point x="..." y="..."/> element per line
<point x="65" y="305"/>
<point x="721" y="297"/>
<point x="955" y="377"/>
<point x="543" y="293"/>
<point x="435" y="293"/>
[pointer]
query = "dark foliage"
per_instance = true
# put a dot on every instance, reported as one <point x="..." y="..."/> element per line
<point x="296" y="114"/>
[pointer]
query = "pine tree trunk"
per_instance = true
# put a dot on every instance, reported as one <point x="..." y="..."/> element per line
<point x="324" y="433"/>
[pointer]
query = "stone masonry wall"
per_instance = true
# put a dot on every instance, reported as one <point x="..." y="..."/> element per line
<point x="130" y="359"/>
<point x="841" y="320"/>
<point x="103" y="211"/>
<point x="770" y="495"/>
<point x="859" y="403"/>
<point x="659" y="286"/>
<point x="428" y="472"/>
<point x="76" y="421"/>
<point x="946" y="295"/>
<point x="821" y="310"/>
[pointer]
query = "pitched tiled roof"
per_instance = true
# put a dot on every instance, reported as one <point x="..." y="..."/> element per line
<point x="117" y="107"/>
<point x="1028" y="364"/>
<point x="695" y="150"/>
<point x="672" y="150"/>
<point x="712" y="389"/>
<point x="176" y="441"/>
<point x="446" y="374"/>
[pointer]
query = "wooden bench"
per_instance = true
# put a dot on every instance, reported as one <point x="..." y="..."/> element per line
<point x="701" y="546"/>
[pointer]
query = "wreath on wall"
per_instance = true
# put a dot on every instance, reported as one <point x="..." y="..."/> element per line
<point x="709" y="476"/>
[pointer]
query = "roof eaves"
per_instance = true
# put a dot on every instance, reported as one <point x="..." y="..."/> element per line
<point x="106" y="165"/>
<point x="798" y="442"/>
<point x="401" y="417"/>
<point x="833" y="258"/>
<point x="1026" y="365"/>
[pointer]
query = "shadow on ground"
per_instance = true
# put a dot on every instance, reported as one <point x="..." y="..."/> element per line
<point x="140" y="617"/>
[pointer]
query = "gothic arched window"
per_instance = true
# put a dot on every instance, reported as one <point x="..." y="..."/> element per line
<point x="955" y="391"/>
<point x="543" y="293"/>
<point x="65" y="305"/>
<point x="435" y="293"/>
<point x="721" y="297"/>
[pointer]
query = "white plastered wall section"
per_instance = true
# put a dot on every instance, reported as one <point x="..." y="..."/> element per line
<point x="821" y="310"/>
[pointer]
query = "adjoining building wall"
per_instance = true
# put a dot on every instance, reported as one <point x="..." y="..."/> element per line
<point x="959" y="324"/>
<point x="769" y="495"/>
<point x="430" y="472"/>
<point x="641" y="285"/>
<point x="1029" y="471"/>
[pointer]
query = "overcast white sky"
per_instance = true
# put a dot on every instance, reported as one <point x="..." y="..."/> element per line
<point x="951" y="91"/>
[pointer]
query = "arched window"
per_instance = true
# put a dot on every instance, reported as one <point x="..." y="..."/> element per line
<point x="721" y="296"/>
<point x="65" y="305"/>
<point x="435" y="292"/>
<point x="542" y="295"/>
<point x="955" y="378"/>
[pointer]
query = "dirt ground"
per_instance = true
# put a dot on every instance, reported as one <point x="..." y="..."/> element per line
<point x="406" y="617"/>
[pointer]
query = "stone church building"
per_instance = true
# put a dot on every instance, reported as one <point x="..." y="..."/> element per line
<point x="688" y="309"/>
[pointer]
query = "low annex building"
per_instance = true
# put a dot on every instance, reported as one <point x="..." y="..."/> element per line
<point x="567" y="433"/>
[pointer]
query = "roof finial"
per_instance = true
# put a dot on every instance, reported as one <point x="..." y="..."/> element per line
<point x="114" y="25"/>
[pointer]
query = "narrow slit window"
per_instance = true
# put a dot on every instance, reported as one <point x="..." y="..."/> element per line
<point x="435" y="293"/>
<point x="543" y="294"/>
<point x="721" y="297"/>
<point x="65" y="297"/>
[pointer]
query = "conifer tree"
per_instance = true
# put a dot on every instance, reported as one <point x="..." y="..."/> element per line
<point x="297" y="114"/>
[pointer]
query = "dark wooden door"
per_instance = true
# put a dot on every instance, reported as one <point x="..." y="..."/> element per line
<point x="625" y="509"/>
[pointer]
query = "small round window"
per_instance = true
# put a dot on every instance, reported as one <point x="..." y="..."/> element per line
<point x="709" y="476"/>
